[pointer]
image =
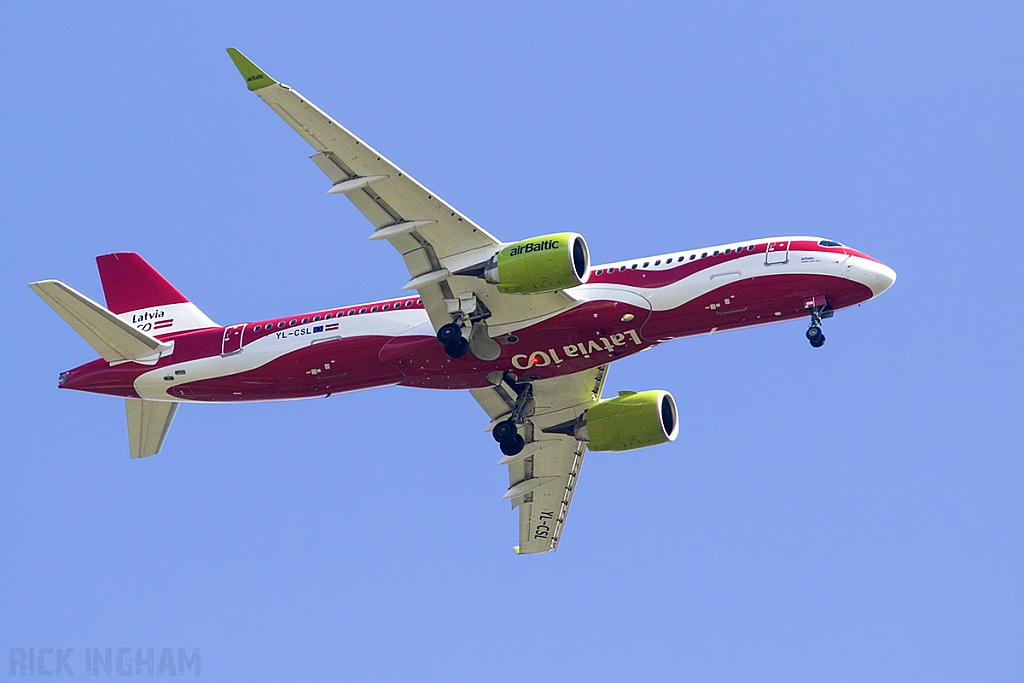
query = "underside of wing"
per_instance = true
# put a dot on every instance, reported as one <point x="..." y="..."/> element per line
<point x="543" y="476"/>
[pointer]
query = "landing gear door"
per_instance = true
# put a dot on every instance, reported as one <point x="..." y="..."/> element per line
<point x="778" y="252"/>
<point x="232" y="340"/>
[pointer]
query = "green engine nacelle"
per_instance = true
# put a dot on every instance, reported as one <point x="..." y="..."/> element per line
<point x="540" y="264"/>
<point x="630" y="420"/>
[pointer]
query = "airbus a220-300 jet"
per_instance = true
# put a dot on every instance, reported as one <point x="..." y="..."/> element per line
<point x="528" y="327"/>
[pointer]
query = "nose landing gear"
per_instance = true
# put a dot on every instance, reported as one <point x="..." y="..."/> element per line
<point x="819" y="309"/>
<point x="815" y="336"/>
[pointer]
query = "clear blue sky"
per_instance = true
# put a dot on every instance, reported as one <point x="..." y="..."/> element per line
<point x="847" y="514"/>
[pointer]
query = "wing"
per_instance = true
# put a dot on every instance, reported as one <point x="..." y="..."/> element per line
<point x="543" y="476"/>
<point x="434" y="239"/>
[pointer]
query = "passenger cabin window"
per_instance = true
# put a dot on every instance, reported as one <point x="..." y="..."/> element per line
<point x="598" y="272"/>
<point x="385" y="307"/>
<point x="373" y="310"/>
<point x="715" y="253"/>
<point x="693" y="256"/>
<point x="362" y="310"/>
<point x="327" y="317"/>
<point x="658" y="262"/>
<point x="305" y="320"/>
<point x="750" y="248"/>
<point x="728" y="251"/>
<point x="292" y="322"/>
<point x="257" y="328"/>
<point x="646" y="263"/>
<point x="668" y="260"/>
<point x="280" y="324"/>
<point x="419" y="301"/>
<point x="352" y="312"/>
<point x="633" y="267"/>
<point x="316" y="318"/>
<point x="704" y="255"/>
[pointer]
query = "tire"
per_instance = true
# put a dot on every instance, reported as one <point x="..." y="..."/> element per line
<point x="505" y="431"/>
<point x="449" y="334"/>
<point x="814" y="333"/>
<point x="513" y="446"/>
<point x="458" y="349"/>
<point x="819" y="342"/>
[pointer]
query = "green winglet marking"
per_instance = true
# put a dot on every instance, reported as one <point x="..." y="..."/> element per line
<point x="516" y="548"/>
<point x="255" y="77"/>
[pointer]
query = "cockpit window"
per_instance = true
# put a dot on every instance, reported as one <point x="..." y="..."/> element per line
<point x="828" y="243"/>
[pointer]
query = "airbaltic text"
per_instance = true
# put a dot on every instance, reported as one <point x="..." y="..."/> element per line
<point x="534" y="246"/>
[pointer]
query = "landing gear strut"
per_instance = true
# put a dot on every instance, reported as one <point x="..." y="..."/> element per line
<point x="506" y="433"/>
<point x="819" y="311"/>
<point x="470" y="314"/>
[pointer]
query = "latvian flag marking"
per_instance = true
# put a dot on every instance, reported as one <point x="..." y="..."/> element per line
<point x="160" y="324"/>
<point x="331" y="326"/>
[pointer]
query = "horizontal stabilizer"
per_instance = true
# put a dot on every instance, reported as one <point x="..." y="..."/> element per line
<point x="148" y="422"/>
<point x="113" y="338"/>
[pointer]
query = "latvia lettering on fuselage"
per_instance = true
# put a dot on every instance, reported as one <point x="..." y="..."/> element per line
<point x="534" y="246"/>
<point x="147" y="316"/>
<point x="540" y="359"/>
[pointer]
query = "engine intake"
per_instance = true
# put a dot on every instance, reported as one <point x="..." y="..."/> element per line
<point x="540" y="264"/>
<point x="629" y="421"/>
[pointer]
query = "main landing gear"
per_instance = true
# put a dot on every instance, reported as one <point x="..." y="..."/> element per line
<point x="506" y="433"/>
<point x="820" y="310"/>
<point x="468" y="315"/>
<point x="450" y="336"/>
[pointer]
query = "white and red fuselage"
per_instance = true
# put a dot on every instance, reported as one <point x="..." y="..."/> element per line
<point x="622" y="308"/>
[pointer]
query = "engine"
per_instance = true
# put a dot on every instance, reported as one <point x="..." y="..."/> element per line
<point x="540" y="264"/>
<point x="630" y="420"/>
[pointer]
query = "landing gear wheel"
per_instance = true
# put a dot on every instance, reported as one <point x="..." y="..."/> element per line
<point x="513" y="446"/>
<point x="815" y="336"/>
<point x="457" y="349"/>
<point x="449" y="334"/>
<point x="505" y="431"/>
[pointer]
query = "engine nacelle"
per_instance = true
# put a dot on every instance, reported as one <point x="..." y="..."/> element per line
<point x="540" y="264"/>
<point x="630" y="420"/>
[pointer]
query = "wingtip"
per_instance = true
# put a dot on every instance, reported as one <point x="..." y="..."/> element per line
<point x="255" y="77"/>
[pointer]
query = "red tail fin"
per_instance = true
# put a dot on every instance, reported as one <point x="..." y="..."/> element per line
<point x="129" y="283"/>
<point x="140" y="296"/>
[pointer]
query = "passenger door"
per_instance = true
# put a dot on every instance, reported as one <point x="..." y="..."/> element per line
<point x="778" y="252"/>
<point x="232" y="340"/>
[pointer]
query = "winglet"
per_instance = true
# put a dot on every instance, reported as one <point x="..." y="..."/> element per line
<point x="254" y="76"/>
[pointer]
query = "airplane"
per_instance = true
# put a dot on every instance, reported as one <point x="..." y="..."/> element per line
<point x="528" y="327"/>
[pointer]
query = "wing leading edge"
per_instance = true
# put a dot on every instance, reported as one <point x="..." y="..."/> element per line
<point x="434" y="239"/>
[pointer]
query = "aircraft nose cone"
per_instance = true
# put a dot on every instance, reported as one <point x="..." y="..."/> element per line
<point x="884" y="277"/>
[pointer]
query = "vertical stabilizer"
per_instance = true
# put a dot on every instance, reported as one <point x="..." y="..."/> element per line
<point x="141" y="297"/>
<point x="148" y="422"/>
